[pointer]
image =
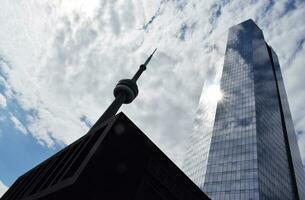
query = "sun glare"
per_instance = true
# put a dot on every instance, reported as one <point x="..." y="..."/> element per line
<point x="214" y="93"/>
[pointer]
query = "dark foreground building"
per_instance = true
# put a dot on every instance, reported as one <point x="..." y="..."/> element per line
<point x="114" y="161"/>
<point x="249" y="150"/>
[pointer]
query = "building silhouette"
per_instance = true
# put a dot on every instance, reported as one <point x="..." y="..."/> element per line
<point x="249" y="149"/>
<point x="114" y="160"/>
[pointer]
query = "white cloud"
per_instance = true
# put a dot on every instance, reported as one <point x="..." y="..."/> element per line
<point x="19" y="126"/>
<point x="66" y="59"/>
<point x="2" y="101"/>
<point x="3" y="188"/>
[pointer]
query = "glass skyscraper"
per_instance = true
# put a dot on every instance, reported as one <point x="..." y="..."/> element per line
<point x="248" y="149"/>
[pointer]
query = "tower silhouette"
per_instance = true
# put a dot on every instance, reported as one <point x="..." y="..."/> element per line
<point x="114" y="160"/>
<point x="125" y="92"/>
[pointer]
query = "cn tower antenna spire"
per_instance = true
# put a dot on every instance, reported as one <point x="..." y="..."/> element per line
<point x="124" y="92"/>
<point x="143" y="67"/>
<point x="149" y="58"/>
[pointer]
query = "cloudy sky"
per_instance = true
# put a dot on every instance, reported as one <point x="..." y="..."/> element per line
<point x="60" y="59"/>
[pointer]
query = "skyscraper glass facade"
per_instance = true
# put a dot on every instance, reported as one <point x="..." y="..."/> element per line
<point x="250" y="151"/>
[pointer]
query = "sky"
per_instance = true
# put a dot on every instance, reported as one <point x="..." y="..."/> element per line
<point x="60" y="60"/>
